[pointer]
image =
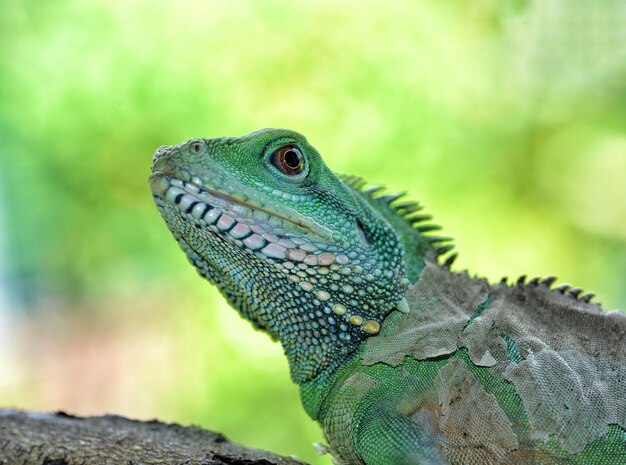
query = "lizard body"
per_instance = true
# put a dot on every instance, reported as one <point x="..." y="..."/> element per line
<point x="399" y="359"/>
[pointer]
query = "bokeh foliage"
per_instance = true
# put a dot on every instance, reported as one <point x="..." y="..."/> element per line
<point x="507" y="119"/>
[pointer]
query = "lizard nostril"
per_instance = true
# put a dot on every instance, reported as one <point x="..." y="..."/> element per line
<point x="160" y="152"/>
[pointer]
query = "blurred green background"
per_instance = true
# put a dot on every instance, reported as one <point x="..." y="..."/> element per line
<point x="507" y="119"/>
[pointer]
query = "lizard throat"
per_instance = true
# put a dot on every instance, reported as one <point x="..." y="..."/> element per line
<point x="318" y="297"/>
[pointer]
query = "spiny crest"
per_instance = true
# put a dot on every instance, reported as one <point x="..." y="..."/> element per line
<point x="413" y="227"/>
<point x="575" y="293"/>
<point x="406" y="211"/>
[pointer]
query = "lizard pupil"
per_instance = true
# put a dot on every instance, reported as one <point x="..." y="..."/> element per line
<point x="288" y="160"/>
<point x="292" y="159"/>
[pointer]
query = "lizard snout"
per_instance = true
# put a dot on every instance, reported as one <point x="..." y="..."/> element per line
<point x="162" y="151"/>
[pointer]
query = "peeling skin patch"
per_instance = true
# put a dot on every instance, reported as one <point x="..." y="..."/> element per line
<point x="569" y="397"/>
<point x="572" y="379"/>
<point x="486" y="438"/>
<point x="441" y="304"/>
<point x="566" y="358"/>
<point x="484" y="344"/>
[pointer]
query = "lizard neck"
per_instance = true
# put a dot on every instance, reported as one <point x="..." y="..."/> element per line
<point x="314" y="261"/>
<point x="320" y="304"/>
<point x="319" y="298"/>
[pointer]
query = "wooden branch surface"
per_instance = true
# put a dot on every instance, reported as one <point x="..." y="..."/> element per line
<point x="29" y="438"/>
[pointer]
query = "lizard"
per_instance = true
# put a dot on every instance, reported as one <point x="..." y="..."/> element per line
<point x="399" y="359"/>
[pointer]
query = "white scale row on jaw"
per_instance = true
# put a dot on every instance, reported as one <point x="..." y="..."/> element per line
<point x="249" y="228"/>
<point x="258" y="216"/>
<point x="252" y="236"/>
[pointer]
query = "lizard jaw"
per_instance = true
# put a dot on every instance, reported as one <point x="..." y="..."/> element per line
<point x="240" y="222"/>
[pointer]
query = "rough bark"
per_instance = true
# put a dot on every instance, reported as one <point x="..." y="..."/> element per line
<point x="29" y="438"/>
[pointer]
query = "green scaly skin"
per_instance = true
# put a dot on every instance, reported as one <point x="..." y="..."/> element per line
<point x="400" y="360"/>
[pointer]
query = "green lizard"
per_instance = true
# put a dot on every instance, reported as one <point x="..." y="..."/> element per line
<point x="399" y="359"/>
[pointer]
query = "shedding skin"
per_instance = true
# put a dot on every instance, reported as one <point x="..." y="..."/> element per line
<point x="399" y="359"/>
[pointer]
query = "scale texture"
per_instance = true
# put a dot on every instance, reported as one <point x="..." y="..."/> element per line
<point x="400" y="359"/>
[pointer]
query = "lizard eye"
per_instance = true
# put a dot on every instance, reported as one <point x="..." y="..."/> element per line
<point x="289" y="160"/>
<point x="197" y="147"/>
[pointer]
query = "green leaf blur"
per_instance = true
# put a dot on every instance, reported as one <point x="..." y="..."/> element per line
<point x="506" y="119"/>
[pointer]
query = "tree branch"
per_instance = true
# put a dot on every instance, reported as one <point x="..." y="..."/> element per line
<point x="30" y="438"/>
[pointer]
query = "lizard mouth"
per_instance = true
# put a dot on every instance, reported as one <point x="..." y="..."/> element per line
<point x="248" y="225"/>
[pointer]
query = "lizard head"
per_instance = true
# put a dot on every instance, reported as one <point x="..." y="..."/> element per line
<point x="301" y="253"/>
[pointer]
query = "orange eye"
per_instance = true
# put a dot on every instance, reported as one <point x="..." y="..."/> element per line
<point x="288" y="160"/>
